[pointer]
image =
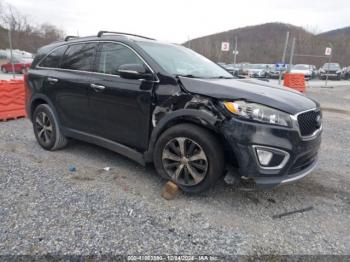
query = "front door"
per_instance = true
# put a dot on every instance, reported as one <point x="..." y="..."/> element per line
<point x="120" y="108"/>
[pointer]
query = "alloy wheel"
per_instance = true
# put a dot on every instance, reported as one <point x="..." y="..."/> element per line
<point x="44" y="127"/>
<point x="185" y="161"/>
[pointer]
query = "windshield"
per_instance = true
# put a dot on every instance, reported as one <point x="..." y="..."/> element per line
<point x="301" y="67"/>
<point x="178" y="60"/>
<point x="331" y="66"/>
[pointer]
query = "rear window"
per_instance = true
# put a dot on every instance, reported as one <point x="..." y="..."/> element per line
<point x="79" y="57"/>
<point x="54" y="58"/>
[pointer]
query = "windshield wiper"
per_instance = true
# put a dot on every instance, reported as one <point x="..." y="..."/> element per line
<point x="222" y="77"/>
<point x="188" y="75"/>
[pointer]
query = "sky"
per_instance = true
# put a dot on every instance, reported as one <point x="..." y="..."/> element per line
<point x="179" y="20"/>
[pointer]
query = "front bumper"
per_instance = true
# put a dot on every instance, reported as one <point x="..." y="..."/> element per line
<point x="243" y="137"/>
<point x="286" y="179"/>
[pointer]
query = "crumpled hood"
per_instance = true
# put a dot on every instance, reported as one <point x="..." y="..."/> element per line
<point x="282" y="98"/>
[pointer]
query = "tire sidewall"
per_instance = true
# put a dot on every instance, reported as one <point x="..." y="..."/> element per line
<point x="45" y="108"/>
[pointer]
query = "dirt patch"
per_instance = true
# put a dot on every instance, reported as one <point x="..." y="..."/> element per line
<point x="335" y="110"/>
<point x="83" y="178"/>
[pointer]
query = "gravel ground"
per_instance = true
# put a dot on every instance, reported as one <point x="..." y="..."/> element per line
<point x="45" y="208"/>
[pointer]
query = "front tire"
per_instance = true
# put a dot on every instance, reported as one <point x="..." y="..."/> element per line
<point x="190" y="156"/>
<point x="46" y="129"/>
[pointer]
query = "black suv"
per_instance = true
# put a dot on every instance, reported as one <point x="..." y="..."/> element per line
<point x="163" y="103"/>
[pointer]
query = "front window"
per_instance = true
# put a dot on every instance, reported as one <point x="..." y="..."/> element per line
<point x="181" y="61"/>
<point x="112" y="56"/>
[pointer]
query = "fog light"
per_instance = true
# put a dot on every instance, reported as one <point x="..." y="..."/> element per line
<point x="270" y="158"/>
<point x="264" y="156"/>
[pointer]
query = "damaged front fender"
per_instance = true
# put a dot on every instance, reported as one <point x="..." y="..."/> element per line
<point x="196" y="110"/>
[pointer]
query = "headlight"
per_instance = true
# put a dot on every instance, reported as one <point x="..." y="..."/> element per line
<point x="257" y="112"/>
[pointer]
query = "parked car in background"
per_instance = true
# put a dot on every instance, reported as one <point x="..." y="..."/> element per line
<point x="257" y="70"/>
<point x="20" y="65"/>
<point x="332" y="70"/>
<point x="346" y="73"/>
<point x="304" y="69"/>
<point x="233" y="69"/>
<point x="3" y="57"/>
<point x="314" y="71"/>
<point x="274" y="73"/>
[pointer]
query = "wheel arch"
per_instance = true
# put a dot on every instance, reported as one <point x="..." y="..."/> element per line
<point x="192" y="116"/>
<point x="37" y="100"/>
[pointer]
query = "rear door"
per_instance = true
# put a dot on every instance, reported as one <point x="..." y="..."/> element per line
<point x="69" y="86"/>
<point x="120" y="108"/>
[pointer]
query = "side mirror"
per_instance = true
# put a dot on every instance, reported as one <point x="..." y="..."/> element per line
<point x="134" y="71"/>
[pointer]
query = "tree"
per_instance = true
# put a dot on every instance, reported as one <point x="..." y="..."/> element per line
<point x="25" y="35"/>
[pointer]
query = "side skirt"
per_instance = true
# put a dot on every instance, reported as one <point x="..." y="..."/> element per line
<point x="111" y="145"/>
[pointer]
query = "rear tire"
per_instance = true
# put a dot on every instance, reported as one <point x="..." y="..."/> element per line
<point x="197" y="165"/>
<point x="3" y="69"/>
<point x="46" y="129"/>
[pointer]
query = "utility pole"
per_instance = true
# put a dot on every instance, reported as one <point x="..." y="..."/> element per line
<point x="11" y="54"/>
<point x="291" y="55"/>
<point x="329" y="64"/>
<point x="284" y="56"/>
<point x="235" y="56"/>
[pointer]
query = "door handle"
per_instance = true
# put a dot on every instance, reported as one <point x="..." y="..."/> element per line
<point x="97" y="88"/>
<point x="52" y="80"/>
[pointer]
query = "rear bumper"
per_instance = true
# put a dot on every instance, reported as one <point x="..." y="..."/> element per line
<point x="244" y="137"/>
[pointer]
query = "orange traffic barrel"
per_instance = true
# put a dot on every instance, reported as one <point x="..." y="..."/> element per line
<point x="295" y="81"/>
<point x="12" y="99"/>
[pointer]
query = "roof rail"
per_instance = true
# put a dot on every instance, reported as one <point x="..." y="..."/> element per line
<point x="101" y="33"/>
<point x="70" y="37"/>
